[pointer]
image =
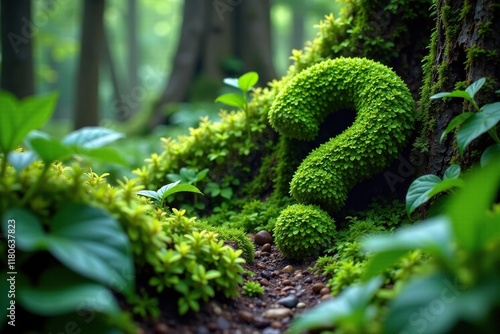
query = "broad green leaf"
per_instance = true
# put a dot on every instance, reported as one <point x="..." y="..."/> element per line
<point x="92" y="243"/>
<point x="29" y="230"/>
<point x="151" y="194"/>
<point x="490" y="231"/>
<point x="248" y="80"/>
<point x="419" y="190"/>
<point x="350" y="303"/>
<point x="446" y="185"/>
<point x="227" y="193"/>
<point x="475" y="87"/>
<point x="19" y="117"/>
<point x="60" y="291"/>
<point x="453" y="172"/>
<point x="233" y="82"/>
<point x="455" y="93"/>
<point x="232" y="99"/>
<point x="21" y="160"/>
<point x="175" y="187"/>
<point x="105" y="154"/>
<point x="433" y="235"/>
<point x="457" y="121"/>
<point x="490" y="153"/>
<point x="436" y="304"/>
<point x="50" y="150"/>
<point x="478" y="124"/>
<point x="92" y="137"/>
<point x="468" y="207"/>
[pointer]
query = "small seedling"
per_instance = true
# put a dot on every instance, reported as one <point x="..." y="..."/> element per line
<point x="253" y="289"/>
<point x="168" y="189"/>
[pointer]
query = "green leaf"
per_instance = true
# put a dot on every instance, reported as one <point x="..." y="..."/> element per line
<point x="469" y="206"/>
<point x="227" y="193"/>
<point x="232" y="99"/>
<point x="490" y="153"/>
<point x="419" y="190"/>
<point x="21" y="160"/>
<point x="175" y="187"/>
<point x="233" y="82"/>
<point x="475" y="87"/>
<point x="455" y="93"/>
<point x="29" y="230"/>
<point x="151" y="194"/>
<point x="478" y="124"/>
<point x="457" y="121"/>
<point x="352" y="303"/>
<point x="446" y="185"/>
<point x="436" y="304"/>
<point x="19" y="117"/>
<point x="92" y="137"/>
<point x="453" y="172"/>
<point x="105" y="154"/>
<point x="92" y="243"/>
<point x="60" y="291"/>
<point x="49" y="150"/>
<point x="248" y="80"/>
<point x="433" y="235"/>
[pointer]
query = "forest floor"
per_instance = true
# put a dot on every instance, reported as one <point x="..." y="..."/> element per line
<point x="290" y="289"/>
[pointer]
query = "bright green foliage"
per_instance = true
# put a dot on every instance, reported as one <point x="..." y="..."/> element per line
<point x="196" y="264"/>
<point x="385" y="118"/>
<point x="253" y="289"/>
<point x="167" y="190"/>
<point x="302" y="231"/>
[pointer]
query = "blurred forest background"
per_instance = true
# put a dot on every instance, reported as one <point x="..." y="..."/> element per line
<point x="137" y="64"/>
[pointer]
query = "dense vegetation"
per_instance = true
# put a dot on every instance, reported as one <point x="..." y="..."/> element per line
<point x="166" y="228"/>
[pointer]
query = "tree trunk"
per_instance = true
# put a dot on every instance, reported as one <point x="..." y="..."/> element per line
<point x="87" y="87"/>
<point x="214" y="37"/>
<point x="133" y="58"/>
<point x="17" y="51"/>
<point x="107" y="57"/>
<point x="465" y="47"/>
<point x="194" y="25"/>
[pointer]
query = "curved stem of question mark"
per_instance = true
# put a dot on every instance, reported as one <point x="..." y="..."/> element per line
<point x="385" y="116"/>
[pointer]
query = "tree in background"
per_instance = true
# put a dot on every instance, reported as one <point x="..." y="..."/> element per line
<point x="87" y="86"/>
<point x="218" y="39"/>
<point x="17" y="51"/>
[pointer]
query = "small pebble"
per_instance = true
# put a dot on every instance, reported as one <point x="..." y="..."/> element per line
<point x="278" y="313"/>
<point x="263" y="237"/>
<point x="276" y="273"/>
<point x="308" y="280"/>
<point x="202" y="330"/>
<point x="266" y="248"/>
<point x="257" y="254"/>
<point x="246" y="316"/>
<point x="286" y="282"/>
<point x="222" y="323"/>
<point x="288" y="269"/>
<point x="260" y="322"/>
<point x="297" y="276"/>
<point x="290" y="301"/>
<point x="266" y="274"/>
<point x="326" y="297"/>
<point x="317" y="287"/>
<point x="324" y="291"/>
<point x="276" y="324"/>
<point x="264" y="282"/>
<point x="217" y="310"/>
<point x="270" y="330"/>
<point x="261" y="265"/>
<point x="301" y="305"/>
<point x="161" y="328"/>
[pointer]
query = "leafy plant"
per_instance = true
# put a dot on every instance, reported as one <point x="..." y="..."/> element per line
<point x="245" y="83"/>
<point x="167" y="190"/>
<point x="475" y="123"/>
<point x="471" y="126"/>
<point x="253" y="289"/>
<point x="188" y="176"/>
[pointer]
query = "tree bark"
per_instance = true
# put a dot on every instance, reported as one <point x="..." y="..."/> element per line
<point x="87" y="87"/>
<point x="17" y="52"/>
<point x="465" y="47"/>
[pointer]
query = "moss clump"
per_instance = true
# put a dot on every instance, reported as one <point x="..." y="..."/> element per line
<point x="302" y="231"/>
<point x="384" y="120"/>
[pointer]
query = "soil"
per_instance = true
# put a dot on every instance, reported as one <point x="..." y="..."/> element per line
<point x="270" y="313"/>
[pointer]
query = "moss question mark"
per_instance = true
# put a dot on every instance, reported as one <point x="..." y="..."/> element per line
<point x="385" y="116"/>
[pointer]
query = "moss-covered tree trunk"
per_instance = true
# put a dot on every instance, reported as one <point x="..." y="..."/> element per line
<point x="465" y="47"/>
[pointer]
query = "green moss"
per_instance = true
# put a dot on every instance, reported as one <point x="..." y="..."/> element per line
<point x="485" y="29"/>
<point x="303" y="230"/>
<point x="385" y="118"/>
